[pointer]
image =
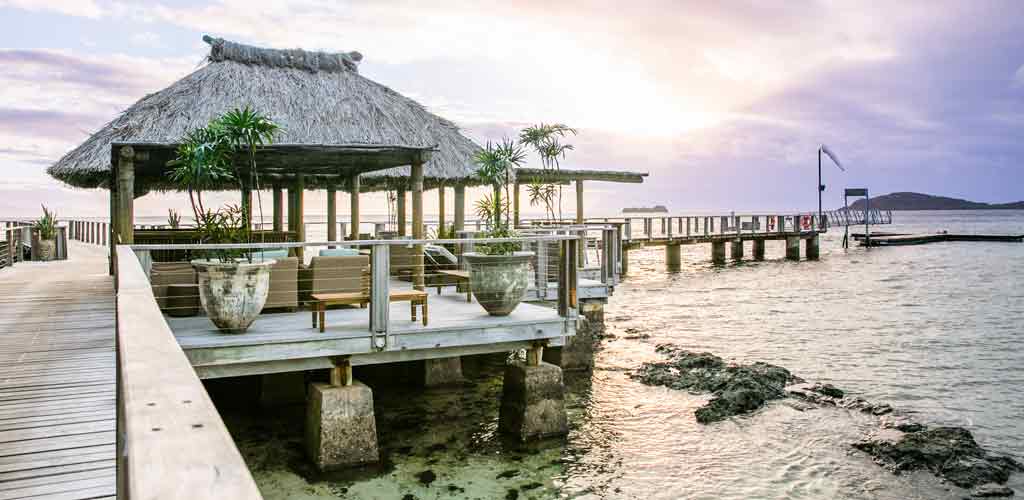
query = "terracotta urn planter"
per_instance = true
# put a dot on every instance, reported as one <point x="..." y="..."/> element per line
<point x="233" y="293"/>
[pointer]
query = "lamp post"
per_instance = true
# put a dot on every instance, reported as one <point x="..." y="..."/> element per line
<point x="821" y="187"/>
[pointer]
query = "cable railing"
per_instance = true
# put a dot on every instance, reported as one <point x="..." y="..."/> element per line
<point x="433" y="275"/>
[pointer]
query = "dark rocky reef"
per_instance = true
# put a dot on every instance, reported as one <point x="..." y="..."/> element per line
<point x="948" y="452"/>
<point x="901" y="445"/>
<point x="737" y="388"/>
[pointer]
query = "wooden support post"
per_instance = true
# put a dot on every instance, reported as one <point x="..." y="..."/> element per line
<point x="247" y="203"/>
<point x="296" y="216"/>
<point x="515" y="204"/>
<point x="440" y="211"/>
<point x="759" y="249"/>
<point x="278" y="215"/>
<point x="126" y="196"/>
<point x="332" y="215"/>
<point x="535" y="355"/>
<point x="400" y="208"/>
<point x="341" y="374"/>
<point x="673" y="257"/>
<point x="354" y="186"/>
<point x="417" y="224"/>
<point x="579" y="201"/>
<point x="460" y="207"/>
<point x="625" y="260"/>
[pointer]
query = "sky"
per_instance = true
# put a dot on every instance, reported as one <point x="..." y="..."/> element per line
<point x="723" y="103"/>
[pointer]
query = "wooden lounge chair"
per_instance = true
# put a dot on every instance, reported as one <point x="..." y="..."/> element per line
<point x="341" y="274"/>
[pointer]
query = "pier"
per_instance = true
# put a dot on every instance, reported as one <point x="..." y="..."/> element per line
<point x="57" y="393"/>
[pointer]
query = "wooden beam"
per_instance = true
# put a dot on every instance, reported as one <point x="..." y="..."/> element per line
<point x="171" y="441"/>
<point x="417" y="224"/>
<point x="278" y="215"/>
<point x="550" y="176"/>
<point x="354" y="206"/>
<point x="332" y="215"/>
<point x="440" y="211"/>
<point x="460" y="207"/>
<point x="400" y="207"/>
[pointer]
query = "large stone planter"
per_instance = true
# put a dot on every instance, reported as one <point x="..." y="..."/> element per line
<point x="498" y="282"/>
<point x="44" y="250"/>
<point x="233" y="293"/>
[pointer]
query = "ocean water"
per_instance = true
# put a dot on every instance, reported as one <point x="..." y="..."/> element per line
<point x="934" y="330"/>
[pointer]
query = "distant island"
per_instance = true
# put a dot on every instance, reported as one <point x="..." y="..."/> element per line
<point x="662" y="209"/>
<point x="920" y="201"/>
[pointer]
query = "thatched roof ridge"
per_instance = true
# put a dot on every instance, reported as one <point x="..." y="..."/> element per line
<point x="321" y="106"/>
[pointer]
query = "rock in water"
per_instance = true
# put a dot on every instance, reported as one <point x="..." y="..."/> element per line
<point x="991" y="491"/>
<point x="737" y="389"/>
<point x="948" y="452"/>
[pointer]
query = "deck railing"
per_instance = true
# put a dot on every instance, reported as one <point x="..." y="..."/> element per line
<point x="417" y="262"/>
<point x="640" y="228"/>
<point x="87" y="231"/>
<point x="171" y="442"/>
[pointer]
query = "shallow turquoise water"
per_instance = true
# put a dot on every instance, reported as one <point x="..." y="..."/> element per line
<point x="933" y="330"/>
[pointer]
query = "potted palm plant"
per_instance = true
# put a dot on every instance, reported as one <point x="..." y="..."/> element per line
<point x="44" y="247"/>
<point x="232" y="286"/>
<point x="498" y="272"/>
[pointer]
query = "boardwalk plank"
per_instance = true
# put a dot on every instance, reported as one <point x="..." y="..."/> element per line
<point x="57" y="378"/>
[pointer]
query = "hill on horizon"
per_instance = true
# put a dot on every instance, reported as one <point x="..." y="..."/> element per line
<point x="921" y="201"/>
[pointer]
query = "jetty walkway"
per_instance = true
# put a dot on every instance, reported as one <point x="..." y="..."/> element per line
<point x="57" y="378"/>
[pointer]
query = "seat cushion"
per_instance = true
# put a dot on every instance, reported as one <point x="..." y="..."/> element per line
<point x="339" y="252"/>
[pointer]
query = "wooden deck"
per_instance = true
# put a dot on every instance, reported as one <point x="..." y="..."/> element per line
<point x="57" y="378"/>
<point x="279" y="342"/>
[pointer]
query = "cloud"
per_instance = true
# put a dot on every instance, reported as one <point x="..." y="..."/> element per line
<point x="78" y="8"/>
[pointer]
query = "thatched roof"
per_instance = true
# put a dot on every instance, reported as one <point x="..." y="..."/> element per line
<point x="318" y="99"/>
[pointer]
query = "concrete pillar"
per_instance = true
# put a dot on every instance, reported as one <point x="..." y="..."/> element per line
<point x="813" y="248"/>
<point x="400" y="208"/>
<point x="736" y="249"/>
<point x="793" y="247"/>
<point x="440" y="211"/>
<point x="718" y="252"/>
<point x="673" y="256"/>
<point x="341" y="430"/>
<point x="758" y="249"/>
<point x="460" y="207"/>
<point x="278" y="215"/>
<point x="278" y="389"/>
<point x="578" y="352"/>
<point x="533" y="401"/>
<point x="332" y="214"/>
<point x="354" y="206"/>
<point x="442" y="371"/>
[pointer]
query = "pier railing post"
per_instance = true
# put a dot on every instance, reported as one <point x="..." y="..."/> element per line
<point x="567" y="280"/>
<point x="540" y="271"/>
<point x="379" y="295"/>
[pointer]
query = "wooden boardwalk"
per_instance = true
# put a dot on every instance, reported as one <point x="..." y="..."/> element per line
<point x="57" y="378"/>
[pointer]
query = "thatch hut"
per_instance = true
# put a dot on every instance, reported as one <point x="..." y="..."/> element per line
<point x="318" y="98"/>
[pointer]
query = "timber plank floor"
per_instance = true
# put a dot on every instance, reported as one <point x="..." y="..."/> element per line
<point x="57" y="378"/>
